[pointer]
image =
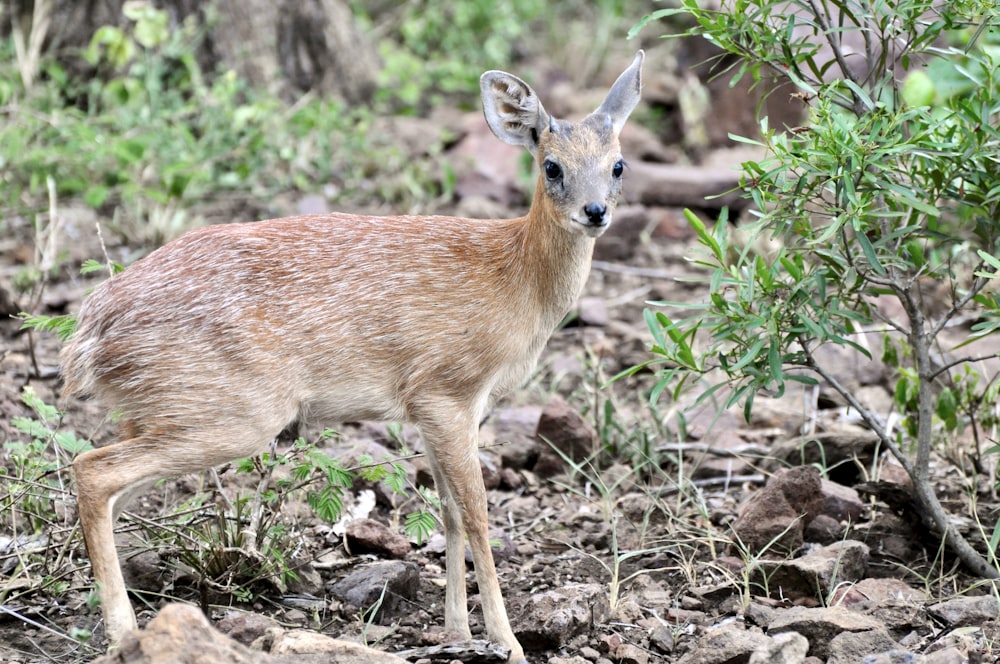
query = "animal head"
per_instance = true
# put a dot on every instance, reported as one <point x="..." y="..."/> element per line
<point x="581" y="163"/>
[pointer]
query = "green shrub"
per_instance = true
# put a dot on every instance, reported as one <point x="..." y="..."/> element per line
<point x="890" y="189"/>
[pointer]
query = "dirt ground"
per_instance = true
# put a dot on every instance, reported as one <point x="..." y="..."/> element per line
<point x="632" y="558"/>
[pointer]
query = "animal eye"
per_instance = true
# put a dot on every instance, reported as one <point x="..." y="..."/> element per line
<point x="552" y="170"/>
<point x="618" y="168"/>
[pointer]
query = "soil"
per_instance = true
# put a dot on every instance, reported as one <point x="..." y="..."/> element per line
<point x="639" y="543"/>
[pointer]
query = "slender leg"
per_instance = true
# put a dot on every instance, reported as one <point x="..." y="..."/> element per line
<point x="108" y="477"/>
<point x="456" y="612"/>
<point x="97" y="491"/>
<point x="455" y="458"/>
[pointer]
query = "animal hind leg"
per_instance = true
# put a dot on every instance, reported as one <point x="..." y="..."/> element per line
<point x="107" y="477"/>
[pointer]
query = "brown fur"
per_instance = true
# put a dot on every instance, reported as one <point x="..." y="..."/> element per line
<point x="212" y="344"/>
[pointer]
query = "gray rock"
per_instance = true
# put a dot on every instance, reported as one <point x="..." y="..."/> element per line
<point x="815" y="574"/>
<point x="624" y="235"/>
<point x="895" y="657"/>
<point x="550" y="619"/>
<point x="821" y="625"/>
<point x="728" y="642"/>
<point x="307" y="580"/>
<point x="852" y="647"/>
<point x="875" y="592"/>
<point x="784" y="648"/>
<point x="684" y="186"/>
<point x="363" y="590"/>
<point x="963" y="611"/>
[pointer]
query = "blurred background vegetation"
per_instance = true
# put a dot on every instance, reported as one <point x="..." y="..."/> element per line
<point x="141" y="109"/>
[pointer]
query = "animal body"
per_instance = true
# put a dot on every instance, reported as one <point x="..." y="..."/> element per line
<point x="209" y="346"/>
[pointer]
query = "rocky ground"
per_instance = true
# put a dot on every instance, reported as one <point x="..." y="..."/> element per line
<point x="617" y="539"/>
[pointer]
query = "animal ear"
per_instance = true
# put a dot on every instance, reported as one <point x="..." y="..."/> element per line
<point x="512" y="109"/>
<point x="624" y="94"/>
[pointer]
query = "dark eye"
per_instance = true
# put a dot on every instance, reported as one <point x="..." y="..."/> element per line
<point x="552" y="170"/>
<point x="618" y="168"/>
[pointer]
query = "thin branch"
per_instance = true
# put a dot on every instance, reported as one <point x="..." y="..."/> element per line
<point x="978" y="285"/>
<point x="869" y="418"/>
<point x="835" y="46"/>
<point x="954" y="363"/>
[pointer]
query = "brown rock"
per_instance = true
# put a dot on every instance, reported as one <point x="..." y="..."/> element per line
<point x="670" y="223"/>
<point x="774" y="517"/>
<point x="562" y="428"/>
<point x="823" y="530"/>
<point x="246" y="627"/>
<point x="490" y="470"/>
<point x="486" y="167"/>
<point x="180" y="634"/>
<point x="370" y="536"/>
<point x="144" y="571"/>
<point x="631" y="654"/>
<point x="840" y="502"/>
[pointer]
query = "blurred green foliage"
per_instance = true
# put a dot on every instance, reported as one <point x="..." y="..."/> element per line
<point x="149" y="133"/>
<point x="443" y="47"/>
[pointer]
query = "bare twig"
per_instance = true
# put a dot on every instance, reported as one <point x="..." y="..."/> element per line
<point x="650" y="272"/>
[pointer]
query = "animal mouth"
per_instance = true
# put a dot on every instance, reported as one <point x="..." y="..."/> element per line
<point x="592" y="229"/>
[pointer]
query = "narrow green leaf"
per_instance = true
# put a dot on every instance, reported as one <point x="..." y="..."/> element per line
<point x="753" y="352"/>
<point x="870" y="255"/>
<point x="703" y="235"/>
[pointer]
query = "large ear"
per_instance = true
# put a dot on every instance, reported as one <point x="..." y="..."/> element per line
<point x="512" y="109"/>
<point x="624" y="94"/>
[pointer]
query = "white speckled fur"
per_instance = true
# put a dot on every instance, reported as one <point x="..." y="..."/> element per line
<point x="214" y="343"/>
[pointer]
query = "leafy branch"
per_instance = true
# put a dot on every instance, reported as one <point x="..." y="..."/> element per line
<point x="886" y="200"/>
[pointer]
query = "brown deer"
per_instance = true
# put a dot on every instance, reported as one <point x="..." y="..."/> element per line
<point x="209" y="346"/>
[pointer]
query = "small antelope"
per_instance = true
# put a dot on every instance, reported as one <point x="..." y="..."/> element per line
<point x="211" y="345"/>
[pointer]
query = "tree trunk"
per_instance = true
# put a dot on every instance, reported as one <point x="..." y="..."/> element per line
<point x="286" y="47"/>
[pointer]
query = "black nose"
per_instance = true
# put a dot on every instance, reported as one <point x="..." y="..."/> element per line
<point x="595" y="213"/>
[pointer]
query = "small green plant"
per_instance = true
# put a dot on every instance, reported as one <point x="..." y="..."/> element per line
<point x="246" y="544"/>
<point x="33" y="472"/>
<point x="885" y="205"/>
<point x="603" y="495"/>
<point x="34" y="489"/>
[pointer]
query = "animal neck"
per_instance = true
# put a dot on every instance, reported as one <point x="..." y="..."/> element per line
<point x="555" y="259"/>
